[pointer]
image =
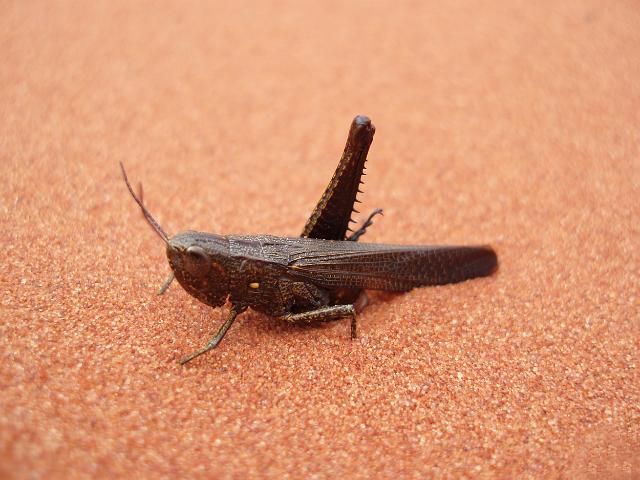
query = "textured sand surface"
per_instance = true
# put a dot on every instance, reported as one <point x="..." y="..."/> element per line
<point x="517" y="126"/>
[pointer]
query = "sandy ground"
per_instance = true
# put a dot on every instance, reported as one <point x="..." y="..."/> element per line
<point x="515" y="125"/>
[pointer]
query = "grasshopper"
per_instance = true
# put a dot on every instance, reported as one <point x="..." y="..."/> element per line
<point x="319" y="276"/>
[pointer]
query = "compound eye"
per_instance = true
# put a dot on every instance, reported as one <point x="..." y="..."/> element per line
<point x="196" y="261"/>
<point x="197" y="253"/>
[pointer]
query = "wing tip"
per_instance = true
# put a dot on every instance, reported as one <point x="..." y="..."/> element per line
<point x="487" y="262"/>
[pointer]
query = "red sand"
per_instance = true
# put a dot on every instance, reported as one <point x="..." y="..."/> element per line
<point x="516" y="126"/>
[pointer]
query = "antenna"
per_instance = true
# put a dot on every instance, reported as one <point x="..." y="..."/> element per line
<point x="148" y="217"/>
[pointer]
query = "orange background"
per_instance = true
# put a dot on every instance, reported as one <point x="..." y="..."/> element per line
<point x="509" y="123"/>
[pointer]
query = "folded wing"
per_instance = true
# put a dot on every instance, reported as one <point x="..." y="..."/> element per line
<point x="391" y="267"/>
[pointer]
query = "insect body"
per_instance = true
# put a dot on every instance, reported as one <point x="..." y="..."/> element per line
<point x="321" y="275"/>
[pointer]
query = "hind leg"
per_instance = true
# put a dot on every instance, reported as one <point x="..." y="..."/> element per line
<point x="367" y="223"/>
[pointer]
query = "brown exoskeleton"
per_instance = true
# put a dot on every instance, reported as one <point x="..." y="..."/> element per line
<point x="321" y="275"/>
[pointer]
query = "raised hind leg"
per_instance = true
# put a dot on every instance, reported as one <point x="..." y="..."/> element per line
<point x="366" y="224"/>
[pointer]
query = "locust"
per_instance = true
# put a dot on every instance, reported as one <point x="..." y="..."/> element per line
<point x="321" y="275"/>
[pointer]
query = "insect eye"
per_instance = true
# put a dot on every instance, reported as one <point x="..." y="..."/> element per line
<point x="196" y="253"/>
<point x="196" y="261"/>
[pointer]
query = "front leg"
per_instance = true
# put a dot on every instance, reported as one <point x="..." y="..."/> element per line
<point x="166" y="284"/>
<point x="325" y="314"/>
<point x="213" y="343"/>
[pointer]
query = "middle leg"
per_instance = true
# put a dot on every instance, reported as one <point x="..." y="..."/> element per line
<point x="325" y="314"/>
